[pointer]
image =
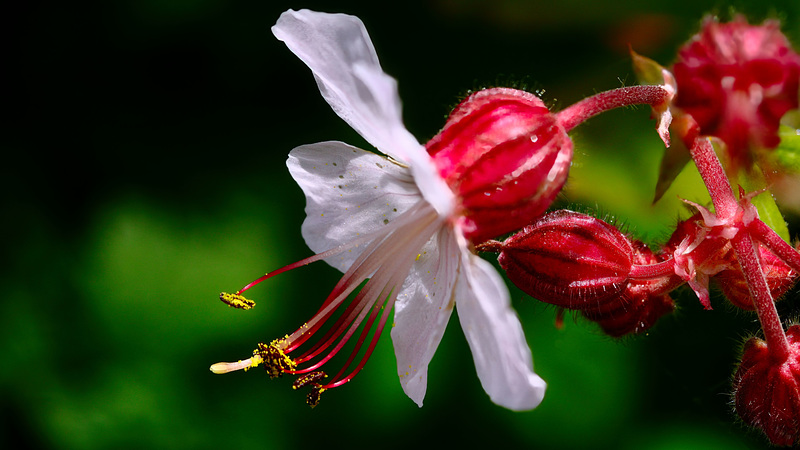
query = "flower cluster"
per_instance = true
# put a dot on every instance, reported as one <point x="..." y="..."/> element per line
<point x="581" y="263"/>
<point x="736" y="81"/>
<point x="405" y="226"/>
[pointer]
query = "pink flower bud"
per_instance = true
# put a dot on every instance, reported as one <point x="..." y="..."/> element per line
<point x="569" y="259"/>
<point x="505" y="156"/>
<point x="737" y="80"/>
<point x="780" y="278"/>
<point x="767" y="390"/>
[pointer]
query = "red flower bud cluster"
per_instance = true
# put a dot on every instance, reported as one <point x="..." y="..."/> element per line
<point x="505" y="156"/>
<point x="582" y="263"/>
<point x="767" y="390"/>
<point x="737" y="80"/>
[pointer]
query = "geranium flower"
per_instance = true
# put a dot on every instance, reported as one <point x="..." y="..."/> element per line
<point x="395" y="224"/>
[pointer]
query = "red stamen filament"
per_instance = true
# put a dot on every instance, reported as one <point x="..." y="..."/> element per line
<point x="395" y="283"/>
<point x="307" y="261"/>
<point x="373" y="258"/>
<point x="385" y="263"/>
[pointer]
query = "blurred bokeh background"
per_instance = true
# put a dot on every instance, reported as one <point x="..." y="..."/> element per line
<point x="145" y="143"/>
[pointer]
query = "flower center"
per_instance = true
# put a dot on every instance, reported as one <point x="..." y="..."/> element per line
<point x="377" y="276"/>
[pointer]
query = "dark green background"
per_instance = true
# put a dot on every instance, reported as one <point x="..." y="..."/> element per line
<point x="144" y="173"/>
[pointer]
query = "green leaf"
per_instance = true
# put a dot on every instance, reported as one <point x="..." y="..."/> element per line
<point x="786" y="156"/>
<point x="674" y="160"/>
<point x="647" y="70"/>
<point x="768" y="210"/>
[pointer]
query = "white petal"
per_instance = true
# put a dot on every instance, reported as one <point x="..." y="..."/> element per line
<point x="422" y="311"/>
<point x="349" y="194"/>
<point x="502" y="356"/>
<point x="338" y="50"/>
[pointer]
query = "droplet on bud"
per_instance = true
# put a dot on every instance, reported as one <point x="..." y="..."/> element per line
<point x="505" y="156"/>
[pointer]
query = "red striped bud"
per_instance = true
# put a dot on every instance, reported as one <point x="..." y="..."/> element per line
<point x="582" y="263"/>
<point x="569" y="259"/>
<point x="505" y="156"/>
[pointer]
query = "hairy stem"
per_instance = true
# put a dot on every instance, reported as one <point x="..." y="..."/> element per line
<point x="764" y="234"/>
<point x="762" y="297"/>
<point x="726" y="206"/>
<point x="604" y="101"/>
<point x="651" y="271"/>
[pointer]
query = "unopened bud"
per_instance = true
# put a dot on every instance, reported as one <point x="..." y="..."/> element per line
<point x="737" y="80"/>
<point x="505" y="156"/>
<point x="767" y="392"/>
<point x="780" y="278"/>
<point x="569" y="259"/>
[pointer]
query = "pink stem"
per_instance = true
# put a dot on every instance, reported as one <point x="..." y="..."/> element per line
<point x="604" y="101"/>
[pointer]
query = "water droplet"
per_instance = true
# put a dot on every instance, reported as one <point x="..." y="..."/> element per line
<point x="534" y="138"/>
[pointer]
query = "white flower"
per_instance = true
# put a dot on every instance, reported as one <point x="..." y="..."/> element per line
<point x="389" y="220"/>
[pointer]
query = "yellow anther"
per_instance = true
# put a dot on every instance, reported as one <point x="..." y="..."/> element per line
<point x="276" y="362"/>
<point x="236" y="301"/>
<point x="308" y="379"/>
<point x="312" y="398"/>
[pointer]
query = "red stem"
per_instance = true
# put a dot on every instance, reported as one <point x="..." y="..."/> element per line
<point x="746" y="254"/>
<point x="650" y="271"/>
<point x="767" y="236"/>
<point x="604" y="101"/>
<point x="726" y="206"/>
<point x="713" y="175"/>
